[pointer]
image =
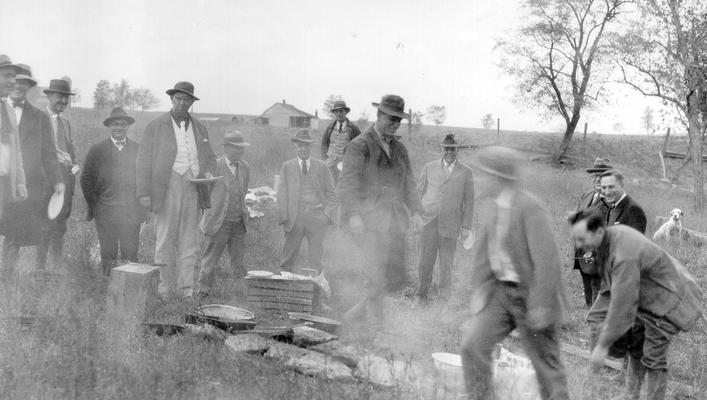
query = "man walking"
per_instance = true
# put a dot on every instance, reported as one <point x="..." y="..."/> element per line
<point x="226" y="222"/>
<point x="377" y="193"/>
<point x="447" y="189"/>
<point x="23" y="221"/>
<point x="516" y="280"/>
<point x="622" y="208"/>
<point x="51" y="245"/>
<point x="340" y="132"/>
<point x="108" y="184"/>
<point x="593" y="199"/>
<point x="306" y="200"/>
<point x="646" y="298"/>
<point x="175" y="149"/>
<point x="12" y="174"/>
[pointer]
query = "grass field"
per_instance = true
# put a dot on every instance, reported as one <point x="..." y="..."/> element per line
<point x="72" y="355"/>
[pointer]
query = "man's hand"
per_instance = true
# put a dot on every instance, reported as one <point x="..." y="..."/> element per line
<point x="21" y="191"/>
<point x="59" y="187"/>
<point x="145" y="202"/>
<point x="598" y="357"/>
<point x="467" y="238"/>
<point x="417" y="223"/>
<point x="356" y="224"/>
<point x="208" y="175"/>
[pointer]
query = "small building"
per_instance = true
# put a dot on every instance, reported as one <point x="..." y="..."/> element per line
<point x="288" y="116"/>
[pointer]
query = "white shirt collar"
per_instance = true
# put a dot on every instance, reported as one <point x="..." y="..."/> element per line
<point x="51" y="113"/>
<point x="300" y="161"/>
<point x="444" y="162"/>
<point x="115" y="142"/>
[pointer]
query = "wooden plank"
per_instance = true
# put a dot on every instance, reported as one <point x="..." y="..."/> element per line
<point x="572" y="349"/>
<point x="256" y="291"/>
<point x="280" y="284"/>
<point x="286" y="300"/>
<point x="281" y="306"/>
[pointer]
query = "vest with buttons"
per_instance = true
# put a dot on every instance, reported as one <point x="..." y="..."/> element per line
<point x="187" y="157"/>
<point x="307" y="193"/>
<point x="234" y="211"/>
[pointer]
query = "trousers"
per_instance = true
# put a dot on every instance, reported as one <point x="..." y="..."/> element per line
<point x="433" y="245"/>
<point x="311" y="224"/>
<point x="231" y="235"/>
<point x="118" y="234"/>
<point x="591" y="283"/>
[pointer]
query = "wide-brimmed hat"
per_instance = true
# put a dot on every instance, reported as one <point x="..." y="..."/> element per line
<point x="118" y="113"/>
<point x="499" y="161"/>
<point x="183" y="87"/>
<point x="450" y="141"/>
<point x="25" y="73"/>
<point x="59" y="86"/>
<point x="302" y="136"/>
<point x="6" y="62"/>
<point x="234" y="138"/>
<point x="339" y="105"/>
<point x="600" y="165"/>
<point x="392" y="105"/>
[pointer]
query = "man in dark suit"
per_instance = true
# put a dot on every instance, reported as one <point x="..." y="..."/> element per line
<point x="622" y="208"/>
<point x="339" y="133"/>
<point x="226" y="222"/>
<point x="594" y="200"/>
<point x="515" y="282"/>
<point x="174" y="150"/>
<point x="646" y="298"/>
<point x="108" y="184"/>
<point x="22" y="222"/>
<point x="52" y="243"/>
<point x="446" y="187"/>
<point x="306" y="200"/>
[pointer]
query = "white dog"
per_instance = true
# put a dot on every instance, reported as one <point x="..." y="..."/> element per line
<point x="672" y="227"/>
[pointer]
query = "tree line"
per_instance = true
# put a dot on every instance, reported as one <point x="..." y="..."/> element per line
<point x="121" y="94"/>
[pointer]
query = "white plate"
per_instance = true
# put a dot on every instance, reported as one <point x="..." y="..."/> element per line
<point x="55" y="204"/>
<point x="225" y="312"/>
<point x="260" y="274"/>
<point x="206" y="180"/>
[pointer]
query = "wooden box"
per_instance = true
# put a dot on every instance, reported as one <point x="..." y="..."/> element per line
<point x="282" y="295"/>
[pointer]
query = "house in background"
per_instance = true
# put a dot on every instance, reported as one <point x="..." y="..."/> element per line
<point x="288" y="116"/>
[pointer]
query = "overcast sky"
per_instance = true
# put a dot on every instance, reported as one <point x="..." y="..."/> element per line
<point x="245" y="55"/>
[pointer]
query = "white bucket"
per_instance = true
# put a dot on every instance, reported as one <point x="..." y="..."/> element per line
<point x="449" y="371"/>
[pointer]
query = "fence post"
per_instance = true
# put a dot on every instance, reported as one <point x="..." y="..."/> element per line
<point x="584" y="139"/>
<point x="498" y="130"/>
<point x="410" y="121"/>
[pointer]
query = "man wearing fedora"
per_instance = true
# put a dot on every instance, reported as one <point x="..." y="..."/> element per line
<point x="22" y="221"/>
<point x="593" y="200"/>
<point x="52" y="243"/>
<point x="306" y="201"/>
<point x="515" y="281"/>
<point x="226" y="222"/>
<point x="446" y="188"/>
<point x="340" y="132"/>
<point x="377" y="193"/>
<point x="12" y="174"/>
<point x="108" y="184"/>
<point x="175" y="149"/>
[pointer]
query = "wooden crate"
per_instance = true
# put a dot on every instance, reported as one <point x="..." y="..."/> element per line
<point x="282" y="295"/>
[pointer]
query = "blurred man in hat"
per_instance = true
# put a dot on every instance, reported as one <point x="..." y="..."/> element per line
<point x="22" y="222"/>
<point x="108" y="184"/>
<point x="226" y="222"/>
<point x="593" y="199"/>
<point x="377" y="193"/>
<point x="646" y="298"/>
<point x="623" y="209"/>
<point x="306" y="200"/>
<point x="515" y="281"/>
<point x="446" y="186"/>
<point x="175" y="149"/>
<point x="340" y="132"/>
<point x="12" y="174"/>
<point x="51" y="245"/>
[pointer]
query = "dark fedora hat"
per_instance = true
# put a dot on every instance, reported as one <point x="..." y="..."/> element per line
<point x="25" y="73"/>
<point x="59" y="86"/>
<point x="600" y="165"/>
<point x="183" y="87"/>
<point x="339" y="105"/>
<point x="6" y="62"/>
<point x="450" y="141"/>
<point x="234" y="138"/>
<point x="392" y="105"/>
<point x="499" y="161"/>
<point x="116" y="114"/>
<point x="302" y="136"/>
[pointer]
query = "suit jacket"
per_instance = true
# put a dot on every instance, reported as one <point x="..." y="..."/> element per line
<point x="353" y="133"/>
<point x="533" y="251"/>
<point x="22" y="221"/>
<point x="638" y="276"/>
<point x="16" y="172"/>
<point x="213" y="217"/>
<point x="599" y="206"/>
<point x="67" y="176"/>
<point x="379" y="187"/>
<point x="158" y="149"/>
<point x="98" y="178"/>
<point x="453" y="202"/>
<point x="288" y="190"/>
<point x="627" y="212"/>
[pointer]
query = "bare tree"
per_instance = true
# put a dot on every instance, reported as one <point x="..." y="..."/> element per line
<point x="122" y="94"/>
<point x="145" y="99"/>
<point x="416" y="120"/>
<point x="329" y="103"/>
<point x="487" y="121"/>
<point x="647" y="120"/>
<point x="554" y="55"/>
<point x="437" y="114"/>
<point x="663" y="54"/>
<point x="101" y="95"/>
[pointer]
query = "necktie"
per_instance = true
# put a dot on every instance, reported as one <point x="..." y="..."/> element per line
<point x="304" y="167"/>
<point x="5" y="128"/>
<point x="340" y="127"/>
<point x="16" y="104"/>
<point x="121" y="143"/>
<point x="60" y="134"/>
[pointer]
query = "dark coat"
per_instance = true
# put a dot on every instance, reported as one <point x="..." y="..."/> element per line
<point x="213" y="218"/>
<point x="599" y="206"/>
<point x="289" y="188"/>
<point x="67" y="176"/>
<point x="22" y="221"/>
<point x="627" y="212"/>
<point x="353" y="133"/>
<point x="158" y="149"/>
<point x="378" y="187"/>
<point x="98" y="177"/>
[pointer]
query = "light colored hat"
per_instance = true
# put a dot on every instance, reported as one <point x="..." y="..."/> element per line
<point x="499" y="161"/>
<point x="234" y="138"/>
<point x="302" y="136"/>
<point x="25" y="73"/>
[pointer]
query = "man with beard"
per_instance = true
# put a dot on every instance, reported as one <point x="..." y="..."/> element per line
<point x="51" y="245"/>
<point x="22" y="222"/>
<point x="108" y="184"/>
<point x="12" y="174"/>
<point x="175" y="150"/>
